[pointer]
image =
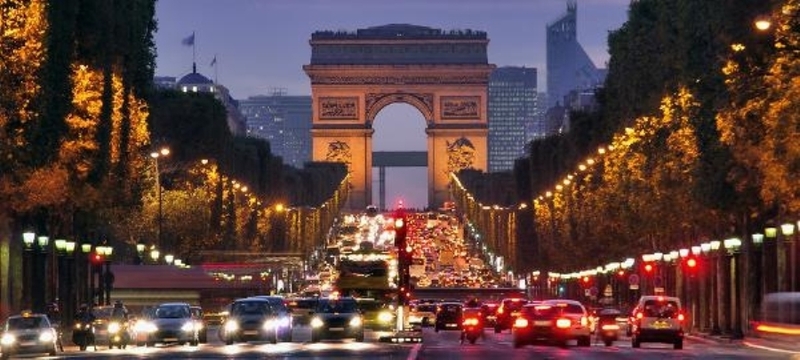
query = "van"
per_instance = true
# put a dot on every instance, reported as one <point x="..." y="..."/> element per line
<point x="658" y="318"/>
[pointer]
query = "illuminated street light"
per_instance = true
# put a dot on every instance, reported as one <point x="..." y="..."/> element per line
<point x="164" y="151"/>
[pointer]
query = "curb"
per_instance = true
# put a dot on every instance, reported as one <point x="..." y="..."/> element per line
<point x="713" y="339"/>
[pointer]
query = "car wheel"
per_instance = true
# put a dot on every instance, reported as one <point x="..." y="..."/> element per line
<point x="585" y="341"/>
<point x="360" y="337"/>
<point x="497" y="329"/>
<point x="518" y="343"/>
<point x="609" y="342"/>
<point x="635" y="343"/>
<point x="678" y="344"/>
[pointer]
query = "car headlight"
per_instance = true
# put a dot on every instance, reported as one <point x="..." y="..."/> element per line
<point x="316" y="322"/>
<point x="284" y="322"/>
<point x="8" y="339"/>
<point x="46" y="336"/>
<point x="144" y="327"/>
<point x="114" y="327"/>
<point x="188" y="326"/>
<point x="385" y="317"/>
<point x="269" y="324"/>
<point x="198" y="325"/>
<point x="231" y="326"/>
<point x="355" y="322"/>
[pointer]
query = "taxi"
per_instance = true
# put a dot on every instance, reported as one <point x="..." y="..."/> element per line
<point x="28" y="333"/>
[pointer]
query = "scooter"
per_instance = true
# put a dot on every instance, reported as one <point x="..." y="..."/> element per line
<point x="83" y="335"/>
<point x="118" y="335"/>
<point x="608" y="329"/>
<point x="471" y="329"/>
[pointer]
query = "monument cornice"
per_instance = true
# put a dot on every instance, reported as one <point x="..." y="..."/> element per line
<point x="399" y="74"/>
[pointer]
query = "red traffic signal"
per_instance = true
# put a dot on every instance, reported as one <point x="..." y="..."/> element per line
<point x="648" y="268"/>
<point x="691" y="263"/>
<point x="96" y="258"/>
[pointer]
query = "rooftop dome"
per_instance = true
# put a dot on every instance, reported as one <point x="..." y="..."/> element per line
<point x="194" y="78"/>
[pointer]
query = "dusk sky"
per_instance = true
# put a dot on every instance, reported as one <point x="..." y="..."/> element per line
<point x="263" y="44"/>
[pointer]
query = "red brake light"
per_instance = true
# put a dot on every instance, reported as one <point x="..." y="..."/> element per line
<point x="680" y="317"/>
<point x="563" y="323"/>
<point x="639" y="315"/>
<point x="521" y="323"/>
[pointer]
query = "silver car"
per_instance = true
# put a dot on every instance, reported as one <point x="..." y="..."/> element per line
<point x="28" y="333"/>
<point x="172" y="323"/>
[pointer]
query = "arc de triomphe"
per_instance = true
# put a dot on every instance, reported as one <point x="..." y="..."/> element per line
<point x="443" y="74"/>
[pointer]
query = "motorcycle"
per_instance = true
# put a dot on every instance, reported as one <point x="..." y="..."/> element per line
<point x="83" y="335"/>
<point x="471" y="327"/>
<point x="607" y="326"/>
<point x="118" y="335"/>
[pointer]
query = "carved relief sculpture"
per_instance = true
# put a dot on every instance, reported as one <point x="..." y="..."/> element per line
<point x="460" y="155"/>
<point x="339" y="151"/>
<point x="460" y="107"/>
<point x="338" y="108"/>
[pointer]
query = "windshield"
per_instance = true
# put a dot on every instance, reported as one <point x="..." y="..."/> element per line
<point x="172" y="312"/>
<point x="337" y="306"/>
<point x="250" y="308"/>
<point x="102" y="312"/>
<point x="20" y="323"/>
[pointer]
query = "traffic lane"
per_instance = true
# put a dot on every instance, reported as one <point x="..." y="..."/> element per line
<point x="300" y="347"/>
<point x="446" y="345"/>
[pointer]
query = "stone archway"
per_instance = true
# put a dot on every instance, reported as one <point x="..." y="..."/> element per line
<point x="442" y="74"/>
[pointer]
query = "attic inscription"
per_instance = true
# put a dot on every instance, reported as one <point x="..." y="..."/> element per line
<point x="338" y="108"/>
<point x="460" y="107"/>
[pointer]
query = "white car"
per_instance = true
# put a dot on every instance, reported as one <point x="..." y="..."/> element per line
<point x="657" y="319"/>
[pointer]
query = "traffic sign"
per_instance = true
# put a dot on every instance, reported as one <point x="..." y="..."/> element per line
<point x="608" y="291"/>
<point x="633" y="279"/>
<point x="658" y="281"/>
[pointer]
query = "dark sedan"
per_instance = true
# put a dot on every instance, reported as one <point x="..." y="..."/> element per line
<point x="337" y="318"/>
<point x="250" y="319"/>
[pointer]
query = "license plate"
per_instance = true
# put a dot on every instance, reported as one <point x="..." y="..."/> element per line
<point x="251" y="332"/>
<point x="28" y="343"/>
<point x="541" y="323"/>
<point x="661" y="325"/>
<point x="336" y="329"/>
<point x="170" y="339"/>
<point x="515" y="313"/>
<point x="452" y="325"/>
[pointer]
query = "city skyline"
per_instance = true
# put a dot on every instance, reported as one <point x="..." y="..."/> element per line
<point x="257" y="46"/>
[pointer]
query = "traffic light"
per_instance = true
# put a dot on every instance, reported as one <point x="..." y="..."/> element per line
<point x="691" y="264"/>
<point x="648" y="268"/>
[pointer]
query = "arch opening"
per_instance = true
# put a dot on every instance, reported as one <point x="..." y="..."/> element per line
<point x="399" y="129"/>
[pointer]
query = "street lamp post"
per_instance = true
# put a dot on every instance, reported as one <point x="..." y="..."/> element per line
<point x="771" y="274"/>
<point x="733" y="245"/>
<point x="27" y="267"/>
<point x="717" y="294"/>
<point x="164" y="151"/>
<point x="106" y="276"/>
<point x="85" y="285"/>
<point x="64" y="251"/>
<point x="140" y="253"/>
<point x="790" y="257"/>
<point x="757" y="261"/>
<point x="39" y="271"/>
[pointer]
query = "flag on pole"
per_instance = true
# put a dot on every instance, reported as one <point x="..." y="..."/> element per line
<point x="213" y="61"/>
<point x="189" y="40"/>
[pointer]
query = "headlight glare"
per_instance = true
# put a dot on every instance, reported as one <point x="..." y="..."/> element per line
<point x="385" y="317"/>
<point x="355" y="322"/>
<point x="269" y="324"/>
<point x="188" y="326"/>
<point x="231" y="326"/>
<point x="113" y="327"/>
<point x="8" y="339"/>
<point x="46" y="336"/>
<point x="316" y="322"/>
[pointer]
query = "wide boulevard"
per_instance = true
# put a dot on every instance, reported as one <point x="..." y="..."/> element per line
<point x="438" y="346"/>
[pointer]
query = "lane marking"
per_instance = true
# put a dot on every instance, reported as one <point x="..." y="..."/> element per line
<point x="763" y="347"/>
<point x="414" y="352"/>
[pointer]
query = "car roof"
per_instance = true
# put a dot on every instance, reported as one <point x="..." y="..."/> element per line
<point x="174" y="304"/>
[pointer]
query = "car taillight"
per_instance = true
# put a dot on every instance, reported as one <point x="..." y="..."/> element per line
<point x="563" y="323"/>
<point x="584" y="321"/>
<point x="471" y="321"/>
<point x="607" y="327"/>
<point x="680" y="317"/>
<point x="521" y="323"/>
<point x="639" y="315"/>
<point x="499" y="311"/>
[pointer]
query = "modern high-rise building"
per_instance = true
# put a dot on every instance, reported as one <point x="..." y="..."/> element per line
<point x="568" y="66"/>
<point x="512" y="109"/>
<point x="284" y="121"/>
